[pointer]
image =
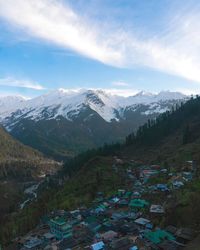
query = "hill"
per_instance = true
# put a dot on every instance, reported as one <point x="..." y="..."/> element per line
<point x="18" y="160"/>
<point x="173" y="137"/>
<point x="170" y="140"/>
<point x="19" y="166"/>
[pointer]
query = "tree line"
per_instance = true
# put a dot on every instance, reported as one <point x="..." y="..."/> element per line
<point x="165" y="124"/>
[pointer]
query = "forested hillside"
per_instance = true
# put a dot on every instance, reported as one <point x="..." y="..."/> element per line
<point x="19" y="165"/>
<point x="18" y="160"/>
<point x="170" y="140"/>
<point x="62" y="124"/>
<point x="173" y="136"/>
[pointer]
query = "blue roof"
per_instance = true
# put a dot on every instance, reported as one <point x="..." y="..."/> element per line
<point x="134" y="248"/>
<point x="98" y="246"/>
<point x="161" y="186"/>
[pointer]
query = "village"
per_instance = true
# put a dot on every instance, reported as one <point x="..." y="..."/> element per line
<point x="130" y="219"/>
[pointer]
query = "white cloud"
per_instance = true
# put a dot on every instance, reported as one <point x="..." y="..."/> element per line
<point x="121" y="92"/>
<point x="113" y="91"/>
<point x="55" y="22"/>
<point x="174" y="51"/>
<point x="120" y="84"/>
<point x="12" y="82"/>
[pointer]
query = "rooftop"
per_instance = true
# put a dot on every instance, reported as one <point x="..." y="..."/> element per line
<point x="158" y="236"/>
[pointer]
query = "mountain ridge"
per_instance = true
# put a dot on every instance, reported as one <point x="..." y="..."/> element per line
<point x="72" y="100"/>
<point x="63" y="123"/>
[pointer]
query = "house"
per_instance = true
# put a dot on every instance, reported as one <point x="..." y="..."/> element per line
<point x="177" y="184"/>
<point x="51" y="247"/>
<point x="107" y="225"/>
<point x="60" y="213"/>
<point x="121" y="244"/>
<point x="162" y="187"/>
<point x="123" y="203"/>
<point x="158" y="236"/>
<point x="114" y="200"/>
<point x="100" y="209"/>
<point x="157" y="209"/>
<point x="147" y="173"/>
<point x="109" y="235"/>
<point x="98" y="246"/>
<point x="67" y="243"/>
<point x="138" y="204"/>
<point x="171" y="229"/>
<point x="121" y="192"/>
<point x="137" y="183"/>
<point x="133" y="248"/>
<point x="135" y="195"/>
<point x="118" y="216"/>
<point x="76" y="214"/>
<point x="143" y="223"/>
<point x="168" y="245"/>
<point x="60" y="228"/>
<point x="49" y="236"/>
<point x="127" y="195"/>
<point x="119" y="161"/>
<point x="131" y="216"/>
<point x="32" y="243"/>
<point x="94" y="227"/>
<point x="164" y="171"/>
<point x="184" y="235"/>
<point x="129" y="228"/>
<point x="187" y="176"/>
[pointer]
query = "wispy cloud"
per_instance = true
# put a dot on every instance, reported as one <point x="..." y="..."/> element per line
<point x="175" y="50"/>
<point x="12" y="82"/>
<point x="55" y="22"/>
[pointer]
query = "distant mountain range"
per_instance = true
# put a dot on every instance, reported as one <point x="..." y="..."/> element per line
<point x="63" y="123"/>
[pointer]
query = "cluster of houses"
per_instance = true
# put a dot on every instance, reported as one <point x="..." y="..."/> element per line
<point x="127" y="220"/>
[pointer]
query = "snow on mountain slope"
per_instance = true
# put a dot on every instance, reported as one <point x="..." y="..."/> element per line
<point x="8" y="104"/>
<point x="70" y="104"/>
<point x="148" y="98"/>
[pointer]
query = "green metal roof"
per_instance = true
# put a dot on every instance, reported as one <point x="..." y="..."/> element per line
<point x="91" y="219"/>
<point x="59" y="221"/>
<point x="138" y="203"/>
<point x="158" y="236"/>
<point x="127" y="194"/>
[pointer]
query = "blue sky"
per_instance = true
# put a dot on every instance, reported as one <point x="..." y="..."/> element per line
<point x="122" y="46"/>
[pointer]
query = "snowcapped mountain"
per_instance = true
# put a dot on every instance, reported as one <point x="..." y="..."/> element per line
<point x="76" y="120"/>
<point x="70" y="103"/>
<point x="8" y="104"/>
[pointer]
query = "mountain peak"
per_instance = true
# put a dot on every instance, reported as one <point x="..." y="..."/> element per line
<point x="169" y="95"/>
<point x="144" y="93"/>
<point x="69" y="103"/>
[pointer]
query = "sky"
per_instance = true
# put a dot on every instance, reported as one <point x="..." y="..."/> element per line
<point x="122" y="46"/>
